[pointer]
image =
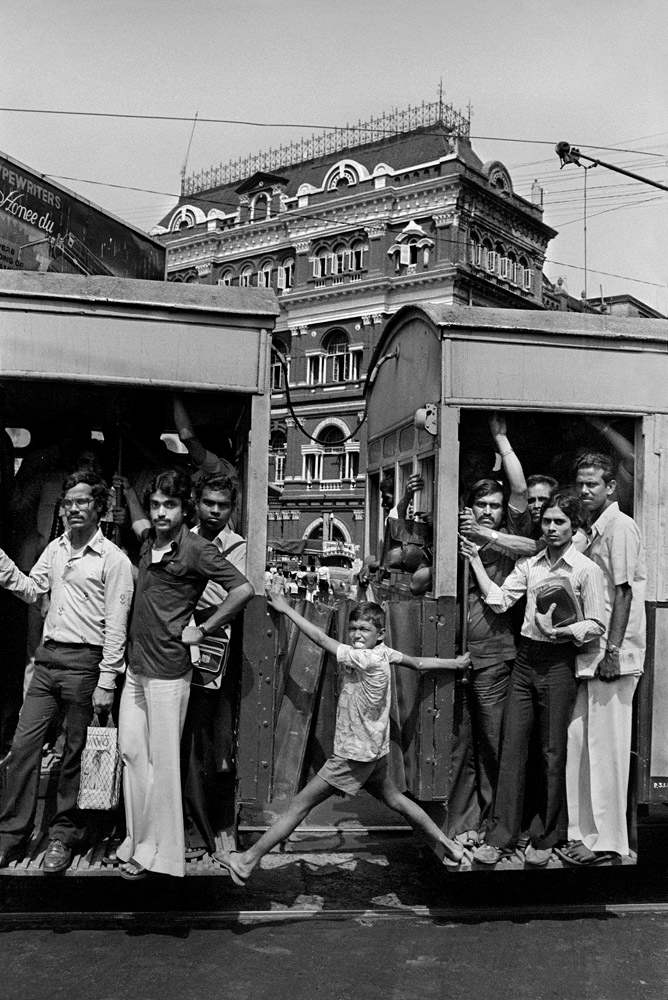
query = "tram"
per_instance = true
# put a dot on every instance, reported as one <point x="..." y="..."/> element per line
<point x="436" y="374"/>
<point x="92" y="363"/>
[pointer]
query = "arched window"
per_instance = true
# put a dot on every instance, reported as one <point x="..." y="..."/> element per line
<point x="245" y="276"/>
<point x="336" y="344"/>
<point x="277" y="452"/>
<point x="357" y="251"/>
<point x="322" y="262"/>
<point x="264" y="274"/>
<point x="525" y="277"/>
<point x="476" y="249"/>
<point x="340" y="259"/>
<point x="488" y="256"/>
<point x="260" y="208"/>
<point x="333" y="452"/>
<point x="277" y="370"/>
<point x="286" y="274"/>
<point x="226" y="277"/>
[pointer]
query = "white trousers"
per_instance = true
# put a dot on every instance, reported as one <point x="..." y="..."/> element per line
<point x="598" y="762"/>
<point x="151" y="721"/>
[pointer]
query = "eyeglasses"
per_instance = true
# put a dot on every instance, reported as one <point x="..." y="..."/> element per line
<point x="81" y="503"/>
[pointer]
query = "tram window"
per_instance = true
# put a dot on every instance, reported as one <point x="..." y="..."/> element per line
<point x="423" y="502"/>
<point x="374" y="510"/>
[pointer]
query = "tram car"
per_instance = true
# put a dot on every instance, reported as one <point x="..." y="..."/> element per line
<point x="92" y="365"/>
<point x="565" y="384"/>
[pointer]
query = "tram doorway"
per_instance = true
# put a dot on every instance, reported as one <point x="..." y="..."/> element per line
<point x="54" y="427"/>
<point x="550" y="444"/>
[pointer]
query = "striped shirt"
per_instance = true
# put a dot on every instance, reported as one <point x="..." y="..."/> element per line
<point x="585" y="578"/>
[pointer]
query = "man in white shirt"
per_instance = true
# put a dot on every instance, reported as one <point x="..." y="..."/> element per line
<point x="599" y="736"/>
<point x="208" y="736"/>
<point x="82" y="653"/>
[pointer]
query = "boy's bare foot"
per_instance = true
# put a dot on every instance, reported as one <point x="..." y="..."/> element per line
<point x="228" y="860"/>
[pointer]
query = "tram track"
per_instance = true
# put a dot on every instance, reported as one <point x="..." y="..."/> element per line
<point x="175" y="920"/>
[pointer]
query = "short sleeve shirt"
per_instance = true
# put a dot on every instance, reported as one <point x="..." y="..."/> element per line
<point x="166" y="595"/>
<point x="363" y="712"/>
<point x="616" y="546"/>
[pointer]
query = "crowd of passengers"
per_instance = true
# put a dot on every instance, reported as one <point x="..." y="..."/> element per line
<point x="544" y="768"/>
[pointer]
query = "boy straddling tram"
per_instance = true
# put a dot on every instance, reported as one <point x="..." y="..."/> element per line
<point x="362" y="735"/>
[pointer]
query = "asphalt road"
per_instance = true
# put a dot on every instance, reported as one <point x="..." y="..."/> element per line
<point x="357" y="958"/>
<point x="392" y="924"/>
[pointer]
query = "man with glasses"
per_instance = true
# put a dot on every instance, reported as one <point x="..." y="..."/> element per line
<point x="89" y="581"/>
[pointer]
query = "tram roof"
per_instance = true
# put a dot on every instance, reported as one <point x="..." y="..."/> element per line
<point x="452" y="321"/>
<point x="250" y="302"/>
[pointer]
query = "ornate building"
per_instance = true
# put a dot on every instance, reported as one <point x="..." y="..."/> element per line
<point x="347" y="227"/>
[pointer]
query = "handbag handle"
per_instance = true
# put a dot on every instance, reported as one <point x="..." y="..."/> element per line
<point x="109" y="723"/>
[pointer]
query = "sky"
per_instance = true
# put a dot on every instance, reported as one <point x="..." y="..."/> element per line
<point x="594" y="74"/>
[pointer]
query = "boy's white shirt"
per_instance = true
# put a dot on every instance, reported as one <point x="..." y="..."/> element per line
<point x="363" y="711"/>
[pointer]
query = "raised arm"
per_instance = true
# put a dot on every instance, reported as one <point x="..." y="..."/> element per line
<point x="27" y="588"/>
<point x="499" y="599"/>
<point x="512" y="545"/>
<point x="512" y="466"/>
<point x="138" y="517"/>
<point x="315" y="634"/>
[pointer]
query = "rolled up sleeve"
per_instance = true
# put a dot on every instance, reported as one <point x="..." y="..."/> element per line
<point x="499" y="599"/>
<point x="592" y="594"/>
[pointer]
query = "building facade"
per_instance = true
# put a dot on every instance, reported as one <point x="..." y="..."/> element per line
<point x="347" y="228"/>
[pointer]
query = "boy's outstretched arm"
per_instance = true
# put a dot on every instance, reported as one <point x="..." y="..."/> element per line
<point x="424" y="663"/>
<point x="315" y="634"/>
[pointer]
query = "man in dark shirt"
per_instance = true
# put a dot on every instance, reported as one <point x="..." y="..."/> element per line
<point x="175" y="566"/>
<point x="492" y="647"/>
<point x="487" y="518"/>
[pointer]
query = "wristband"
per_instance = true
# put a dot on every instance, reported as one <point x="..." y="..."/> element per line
<point x="612" y="648"/>
<point x="503" y="454"/>
<point x="495" y="535"/>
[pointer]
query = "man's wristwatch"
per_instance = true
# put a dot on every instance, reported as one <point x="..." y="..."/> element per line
<point x="612" y="648"/>
<point x="494" y="536"/>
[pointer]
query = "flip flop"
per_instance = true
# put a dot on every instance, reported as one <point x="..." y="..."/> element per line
<point x="223" y="859"/>
<point x="588" y="860"/>
<point x="132" y="872"/>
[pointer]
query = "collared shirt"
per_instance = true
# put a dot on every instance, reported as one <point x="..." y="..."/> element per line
<point x="587" y="582"/>
<point x="615" y="544"/>
<point x="166" y="596"/>
<point x="91" y="592"/>
<point x="362" y="729"/>
<point x="224" y="540"/>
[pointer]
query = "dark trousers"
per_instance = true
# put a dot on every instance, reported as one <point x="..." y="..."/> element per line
<point x="53" y="688"/>
<point x="207" y="737"/>
<point x="540" y="700"/>
<point x="487" y="691"/>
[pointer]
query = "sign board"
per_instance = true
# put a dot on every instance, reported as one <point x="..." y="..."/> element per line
<point x="45" y="227"/>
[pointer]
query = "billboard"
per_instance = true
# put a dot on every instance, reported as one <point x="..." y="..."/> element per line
<point x="45" y="227"/>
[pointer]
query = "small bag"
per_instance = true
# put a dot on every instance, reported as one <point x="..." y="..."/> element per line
<point x="558" y="590"/>
<point x="101" y="768"/>
<point x="214" y="652"/>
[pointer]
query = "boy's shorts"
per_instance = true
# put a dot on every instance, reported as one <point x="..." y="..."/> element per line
<point x="350" y="776"/>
